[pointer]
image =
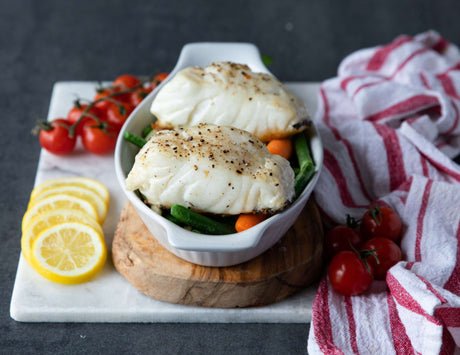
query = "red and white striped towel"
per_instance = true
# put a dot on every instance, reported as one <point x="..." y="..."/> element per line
<point x="390" y="125"/>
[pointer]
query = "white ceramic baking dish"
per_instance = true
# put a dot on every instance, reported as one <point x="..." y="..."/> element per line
<point x="210" y="250"/>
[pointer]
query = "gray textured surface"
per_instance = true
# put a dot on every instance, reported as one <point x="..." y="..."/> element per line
<point x="46" y="41"/>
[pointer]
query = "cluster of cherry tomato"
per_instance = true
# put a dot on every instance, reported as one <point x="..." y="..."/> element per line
<point x="363" y="251"/>
<point x="99" y="121"/>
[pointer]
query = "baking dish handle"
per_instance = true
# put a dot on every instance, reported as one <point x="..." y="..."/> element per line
<point x="204" y="53"/>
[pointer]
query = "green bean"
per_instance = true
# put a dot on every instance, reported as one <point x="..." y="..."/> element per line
<point x="200" y="222"/>
<point x="172" y="219"/>
<point x="132" y="138"/>
<point x="307" y="167"/>
<point x="147" y="130"/>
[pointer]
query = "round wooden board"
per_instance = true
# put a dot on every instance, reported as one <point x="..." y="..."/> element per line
<point x="289" y="266"/>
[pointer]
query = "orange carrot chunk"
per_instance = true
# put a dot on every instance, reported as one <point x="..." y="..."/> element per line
<point x="246" y="221"/>
<point x="283" y="147"/>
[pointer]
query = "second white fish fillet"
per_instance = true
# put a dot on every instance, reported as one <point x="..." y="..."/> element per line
<point x="230" y="94"/>
<point x="212" y="169"/>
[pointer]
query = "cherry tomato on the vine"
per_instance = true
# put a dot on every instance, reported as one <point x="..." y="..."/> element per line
<point x="99" y="139"/>
<point x="160" y="77"/>
<point x="102" y="94"/>
<point x="157" y="79"/>
<point x="341" y="238"/>
<point x="348" y="273"/>
<point x="136" y="97"/>
<point x="387" y="252"/>
<point x="127" y="81"/>
<point x="75" y="113"/>
<point x="381" y="221"/>
<point x="55" y="137"/>
<point x="117" y="113"/>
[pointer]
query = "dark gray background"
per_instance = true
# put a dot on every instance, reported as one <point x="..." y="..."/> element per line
<point x="42" y="42"/>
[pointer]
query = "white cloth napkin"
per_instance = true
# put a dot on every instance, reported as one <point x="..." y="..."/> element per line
<point x="390" y="125"/>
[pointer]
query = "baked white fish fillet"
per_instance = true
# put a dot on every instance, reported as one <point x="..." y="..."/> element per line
<point x="214" y="169"/>
<point x="230" y="94"/>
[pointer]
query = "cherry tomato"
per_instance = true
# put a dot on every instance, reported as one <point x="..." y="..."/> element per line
<point x="160" y="77"/>
<point x="99" y="139"/>
<point x="381" y="221"/>
<point x="108" y="96"/>
<point x="75" y="113"/>
<point x="126" y="81"/>
<point x="55" y="137"/>
<point x="339" y="238"/>
<point x="387" y="252"/>
<point x="137" y="96"/>
<point x="157" y="79"/>
<point x="348" y="273"/>
<point x="104" y="104"/>
<point x="117" y="113"/>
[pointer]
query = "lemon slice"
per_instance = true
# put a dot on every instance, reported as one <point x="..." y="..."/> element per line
<point x="89" y="195"/>
<point x="47" y="219"/>
<point x="58" y="201"/>
<point x="69" y="253"/>
<point x="81" y="181"/>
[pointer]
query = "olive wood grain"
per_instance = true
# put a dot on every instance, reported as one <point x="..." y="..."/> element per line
<point x="292" y="264"/>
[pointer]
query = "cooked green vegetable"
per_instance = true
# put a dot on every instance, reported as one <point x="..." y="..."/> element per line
<point x="173" y="219"/>
<point x="267" y="60"/>
<point x="130" y="137"/>
<point x="200" y="222"/>
<point x="147" y="130"/>
<point x="307" y="167"/>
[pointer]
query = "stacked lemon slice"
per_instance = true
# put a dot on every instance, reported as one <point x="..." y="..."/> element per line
<point x="62" y="237"/>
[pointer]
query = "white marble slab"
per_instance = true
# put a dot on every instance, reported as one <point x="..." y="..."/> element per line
<point x="109" y="297"/>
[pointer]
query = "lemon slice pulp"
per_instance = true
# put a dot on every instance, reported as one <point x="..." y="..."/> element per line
<point x="89" y="195"/>
<point x="44" y="220"/>
<point x="57" y="201"/>
<point x="69" y="253"/>
<point x="80" y="181"/>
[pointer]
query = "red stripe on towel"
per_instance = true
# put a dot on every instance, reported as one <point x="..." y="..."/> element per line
<point x="420" y="220"/>
<point x="322" y="320"/>
<point x="395" y="161"/>
<point x="398" y="69"/>
<point x="413" y="104"/>
<point x="453" y="284"/>
<point x="452" y="174"/>
<point x="450" y="316"/>
<point x="449" y="89"/>
<point x="405" y="299"/>
<point x="401" y="341"/>
<point x="331" y="164"/>
<point x="424" y="166"/>
<point x="351" y="324"/>
<point x="441" y="45"/>
<point x="366" y="86"/>
<point x="430" y="288"/>
<point x="344" y="83"/>
<point x="424" y="80"/>
<point x="378" y="59"/>
<point x="454" y="67"/>
<point x="338" y="137"/>
<point x="448" y="343"/>
<point x="457" y="119"/>
<point x="448" y="85"/>
<point x="408" y="59"/>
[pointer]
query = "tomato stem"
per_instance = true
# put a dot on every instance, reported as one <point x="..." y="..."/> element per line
<point x="376" y="214"/>
<point x="352" y="222"/>
<point x="109" y="97"/>
<point x="364" y="254"/>
<point x="77" y="103"/>
<point x="44" y="125"/>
